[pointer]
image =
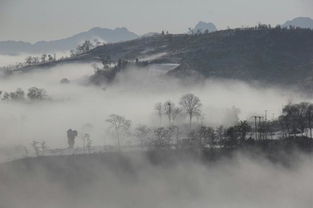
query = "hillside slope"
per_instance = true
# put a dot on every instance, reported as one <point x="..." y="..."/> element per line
<point x="277" y="55"/>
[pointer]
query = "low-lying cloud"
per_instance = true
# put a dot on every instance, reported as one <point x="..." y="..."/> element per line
<point x="242" y="182"/>
<point x="133" y="95"/>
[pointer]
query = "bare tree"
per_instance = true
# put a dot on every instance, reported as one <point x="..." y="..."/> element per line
<point x="168" y="107"/>
<point x="171" y="111"/>
<point x="120" y="125"/>
<point x="191" y="105"/>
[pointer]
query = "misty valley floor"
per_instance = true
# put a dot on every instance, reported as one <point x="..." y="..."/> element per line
<point x="159" y="179"/>
<point x="221" y="158"/>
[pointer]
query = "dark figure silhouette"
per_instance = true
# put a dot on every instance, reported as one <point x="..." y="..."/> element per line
<point x="71" y="135"/>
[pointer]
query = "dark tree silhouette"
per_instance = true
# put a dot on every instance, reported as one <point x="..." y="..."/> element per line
<point x="18" y="95"/>
<point x="71" y="135"/>
<point x="163" y="137"/>
<point x="243" y="128"/>
<point x="120" y="125"/>
<point x="191" y="105"/>
<point x="35" y="93"/>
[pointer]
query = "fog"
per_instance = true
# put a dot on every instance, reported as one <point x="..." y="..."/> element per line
<point x="243" y="181"/>
<point x="240" y="181"/>
<point x="133" y="95"/>
<point x="6" y="60"/>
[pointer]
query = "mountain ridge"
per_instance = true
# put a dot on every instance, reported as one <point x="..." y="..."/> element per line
<point x="270" y="55"/>
<point x="66" y="44"/>
<point x="278" y="56"/>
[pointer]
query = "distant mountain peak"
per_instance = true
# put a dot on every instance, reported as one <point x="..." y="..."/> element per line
<point x="107" y="35"/>
<point x="122" y="29"/>
<point x="98" y="29"/>
<point x="204" y="26"/>
<point x="301" y="22"/>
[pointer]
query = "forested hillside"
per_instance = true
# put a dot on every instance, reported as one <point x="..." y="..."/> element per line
<point x="278" y="56"/>
<point x="271" y="55"/>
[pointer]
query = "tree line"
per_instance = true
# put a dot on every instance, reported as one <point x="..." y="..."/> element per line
<point x="171" y="131"/>
<point x="162" y="136"/>
<point x="46" y="58"/>
<point x="19" y="95"/>
<point x="177" y="129"/>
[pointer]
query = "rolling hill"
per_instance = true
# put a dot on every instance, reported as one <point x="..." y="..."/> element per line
<point x="278" y="56"/>
<point x="269" y="55"/>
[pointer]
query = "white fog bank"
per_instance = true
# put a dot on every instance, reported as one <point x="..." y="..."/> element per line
<point x="133" y="95"/>
<point x="240" y="182"/>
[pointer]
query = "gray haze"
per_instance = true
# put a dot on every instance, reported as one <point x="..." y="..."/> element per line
<point x="33" y="20"/>
<point x="240" y="182"/>
<point x="133" y="95"/>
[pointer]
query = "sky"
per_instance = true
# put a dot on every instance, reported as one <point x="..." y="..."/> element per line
<point x="34" y="20"/>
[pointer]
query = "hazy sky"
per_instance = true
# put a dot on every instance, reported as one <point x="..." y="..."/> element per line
<point x="33" y="20"/>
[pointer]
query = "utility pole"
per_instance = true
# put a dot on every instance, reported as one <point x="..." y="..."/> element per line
<point x="169" y="112"/>
<point x="259" y="117"/>
<point x="255" y="128"/>
<point x="310" y="129"/>
<point x="265" y="125"/>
